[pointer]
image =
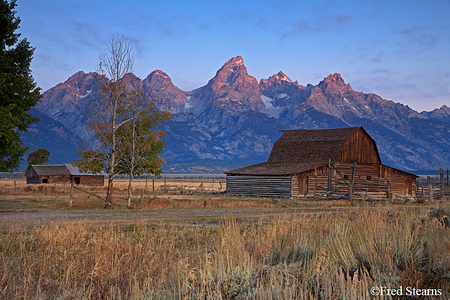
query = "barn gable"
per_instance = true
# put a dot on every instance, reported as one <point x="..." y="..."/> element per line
<point x="360" y="148"/>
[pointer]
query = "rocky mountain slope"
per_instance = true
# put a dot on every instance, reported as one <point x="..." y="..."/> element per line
<point x="233" y="118"/>
<point x="54" y="136"/>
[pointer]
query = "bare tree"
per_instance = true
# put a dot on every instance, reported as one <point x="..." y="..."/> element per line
<point x="110" y="113"/>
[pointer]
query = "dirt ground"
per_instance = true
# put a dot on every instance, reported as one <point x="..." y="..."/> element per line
<point x="36" y="204"/>
<point x="177" y="200"/>
<point x="37" y="215"/>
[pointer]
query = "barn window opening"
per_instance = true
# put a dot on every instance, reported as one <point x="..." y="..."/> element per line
<point x="44" y="180"/>
<point x="369" y="178"/>
<point x="346" y="177"/>
<point x="77" y="180"/>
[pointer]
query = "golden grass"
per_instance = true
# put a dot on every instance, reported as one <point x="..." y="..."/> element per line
<point x="339" y="256"/>
<point x="168" y="194"/>
<point x="144" y="196"/>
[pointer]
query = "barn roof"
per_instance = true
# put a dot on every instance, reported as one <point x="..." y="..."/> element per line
<point x="57" y="170"/>
<point x="310" y="145"/>
<point x="50" y="170"/>
<point x="297" y="151"/>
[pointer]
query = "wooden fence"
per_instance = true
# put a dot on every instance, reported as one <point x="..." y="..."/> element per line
<point x="434" y="187"/>
<point x="340" y="186"/>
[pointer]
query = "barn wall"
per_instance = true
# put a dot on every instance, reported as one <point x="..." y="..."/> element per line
<point x="360" y="148"/>
<point x="370" y="180"/>
<point x="91" y="180"/>
<point x="32" y="179"/>
<point x="402" y="183"/>
<point x="303" y="183"/>
<point x="265" y="186"/>
<point x="55" y="178"/>
<point x="32" y="176"/>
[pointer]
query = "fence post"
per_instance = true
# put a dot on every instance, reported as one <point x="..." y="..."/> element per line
<point x="71" y="195"/>
<point x="389" y="190"/>
<point x="442" y="181"/>
<point x="305" y="190"/>
<point x="329" y="179"/>
<point x="315" y="185"/>
<point x="153" y="184"/>
<point x="448" y="182"/>
<point x="430" y="188"/>
<point x="350" y="184"/>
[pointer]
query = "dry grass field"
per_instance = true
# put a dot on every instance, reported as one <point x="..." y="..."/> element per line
<point x="193" y="248"/>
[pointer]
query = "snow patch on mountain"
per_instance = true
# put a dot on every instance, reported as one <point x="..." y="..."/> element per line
<point x="269" y="109"/>
<point x="85" y="95"/>
<point x="194" y="105"/>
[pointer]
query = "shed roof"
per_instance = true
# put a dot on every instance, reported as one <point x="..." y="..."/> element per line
<point x="76" y="172"/>
<point x="277" y="168"/>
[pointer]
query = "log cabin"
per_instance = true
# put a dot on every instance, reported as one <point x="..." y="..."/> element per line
<point x="43" y="174"/>
<point x="325" y="163"/>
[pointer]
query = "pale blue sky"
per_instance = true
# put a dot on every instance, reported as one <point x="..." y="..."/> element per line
<point x="398" y="49"/>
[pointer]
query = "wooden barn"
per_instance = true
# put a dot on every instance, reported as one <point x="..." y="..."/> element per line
<point x="42" y="174"/>
<point x="328" y="163"/>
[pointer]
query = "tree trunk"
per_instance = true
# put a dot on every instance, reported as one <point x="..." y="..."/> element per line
<point x="108" y="199"/>
<point x="112" y="159"/>
<point x="129" y="191"/>
<point x="133" y="154"/>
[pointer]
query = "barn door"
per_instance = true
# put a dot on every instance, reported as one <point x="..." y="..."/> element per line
<point x="408" y="186"/>
<point x="302" y="185"/>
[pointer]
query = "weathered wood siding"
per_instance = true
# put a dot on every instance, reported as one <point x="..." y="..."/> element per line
<point x="32" y="177"/>
<point x="370" y="180"/>
<point x="54" y="179"/>
<point x="265" y="186"/>
<point x="360" y="148"/>
<point x="90" y="180"/>
<point x="401" y="183"/>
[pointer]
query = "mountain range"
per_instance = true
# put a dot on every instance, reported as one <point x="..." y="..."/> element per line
<point x="234" y="120"/>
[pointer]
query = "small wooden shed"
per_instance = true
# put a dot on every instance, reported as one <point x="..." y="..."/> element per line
<point x="342" y="162"/>
<point x="42" y="174"/>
